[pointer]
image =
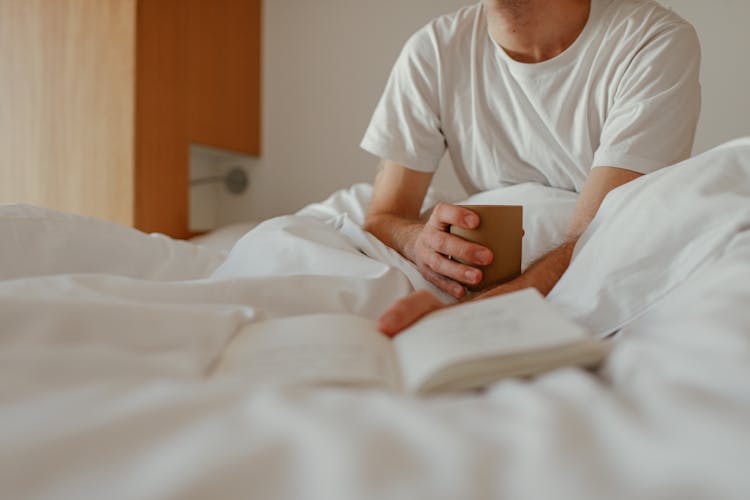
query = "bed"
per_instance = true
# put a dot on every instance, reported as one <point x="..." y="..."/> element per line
<point x="110" y="338"/>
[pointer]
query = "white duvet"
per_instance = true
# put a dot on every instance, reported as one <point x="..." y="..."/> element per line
<point x="109" y="337"/>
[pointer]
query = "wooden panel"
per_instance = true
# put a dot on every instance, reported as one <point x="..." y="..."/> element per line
<point x="198" y="81"/>
<point x="66" y="88"/>
<point x="161" y="169"/>
<point x="96" y="122"/>
<point x="224" y="67"/>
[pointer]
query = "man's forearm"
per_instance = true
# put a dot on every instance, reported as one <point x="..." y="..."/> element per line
<point x="542" y="275"/>
<point x="397" y="232"/>
<point x="547" y="271"/>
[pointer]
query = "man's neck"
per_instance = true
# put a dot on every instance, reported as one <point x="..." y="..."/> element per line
<point x="532" y="31"/>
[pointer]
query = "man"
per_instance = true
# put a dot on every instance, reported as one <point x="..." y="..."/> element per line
<point x="584" y="95"/>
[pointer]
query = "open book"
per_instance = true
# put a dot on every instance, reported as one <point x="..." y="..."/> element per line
<point x="461" y="347"/>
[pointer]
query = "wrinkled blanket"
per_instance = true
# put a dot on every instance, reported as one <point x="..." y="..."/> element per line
<point x="108" y="338"/>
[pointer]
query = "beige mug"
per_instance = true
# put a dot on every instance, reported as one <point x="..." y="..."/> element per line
<point x="501" y="230"/>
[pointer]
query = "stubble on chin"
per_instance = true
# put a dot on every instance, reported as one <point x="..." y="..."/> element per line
<point x="514" y="8"/>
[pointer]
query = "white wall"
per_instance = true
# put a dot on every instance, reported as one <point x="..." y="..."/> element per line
<point x="326" y="62"/>
<point x="722" y="26"/>
<point x="325" y="65"/>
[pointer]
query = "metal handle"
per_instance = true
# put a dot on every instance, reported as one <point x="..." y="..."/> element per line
<point x="235" y="180"/>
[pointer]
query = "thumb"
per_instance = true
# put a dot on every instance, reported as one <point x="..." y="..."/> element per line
<point x="407" y="311"/>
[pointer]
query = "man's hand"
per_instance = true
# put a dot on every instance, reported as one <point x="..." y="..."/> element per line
<point x="393" y="217"/>
<point x="407" y="311"/>
<point x="410" y="309"/>
<point x="434" y="246"/>
<point x="542" y="275"/>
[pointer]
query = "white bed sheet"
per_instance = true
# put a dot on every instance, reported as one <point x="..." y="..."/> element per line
<point x="106" y="385"/>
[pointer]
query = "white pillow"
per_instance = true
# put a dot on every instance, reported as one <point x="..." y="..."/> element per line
<point x="37" y="241"/>
<point x="546" y="213"/>
<point x="650" y="234"/>
<point x="698" y="334"/>
<point x="222" y="239"/>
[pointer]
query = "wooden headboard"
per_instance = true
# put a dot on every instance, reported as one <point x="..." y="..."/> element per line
<point x="101" y="101"/>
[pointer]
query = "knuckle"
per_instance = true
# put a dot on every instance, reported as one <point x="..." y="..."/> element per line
<point x="467" y="251"/>
<point x="423" y="247"/>
<point x="462" y="250"/>
<point x="443" y="284"/>
<point x="434" y="278"/>
<point x="435" y="215"/>
<point x="430" y="239"/>
<point x="451" y="245"/>
<point x="446" y="269"/>
<point x="419" y="246"/>
<point x="434" y="261"/>
<point x="443" y="212"/>
<point x="437" y="282"/>
<point x="440" y="239"/>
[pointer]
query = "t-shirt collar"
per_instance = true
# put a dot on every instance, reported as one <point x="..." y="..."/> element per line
<point x="569" y="55"/>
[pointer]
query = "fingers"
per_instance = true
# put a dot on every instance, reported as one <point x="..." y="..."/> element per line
<point x="445" y="214"/>
<point x="432" y="250"/>
<point x="435" y="245"/>
<point x="449" y="286"/>
<point x="458" y="248"/>
<point x="407" y="311"/>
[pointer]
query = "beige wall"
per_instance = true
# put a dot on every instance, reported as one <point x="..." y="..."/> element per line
<point x="325" y="65"/>
<point x="725" y="72"/>
<point x="326" y="61"/>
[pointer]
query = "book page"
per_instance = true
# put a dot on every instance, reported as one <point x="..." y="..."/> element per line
<point x="509" y="324"/>
<point x="319" y="348"/>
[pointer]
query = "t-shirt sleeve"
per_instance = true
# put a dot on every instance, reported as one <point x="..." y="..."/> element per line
<point x="405" y="127"/>
<point x="652" y="121"/>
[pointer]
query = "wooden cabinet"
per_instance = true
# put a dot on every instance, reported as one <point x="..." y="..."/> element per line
<point x="101" y="100"/>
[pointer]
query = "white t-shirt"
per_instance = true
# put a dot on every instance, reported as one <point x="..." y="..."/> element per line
<point x="625" y="94"/>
